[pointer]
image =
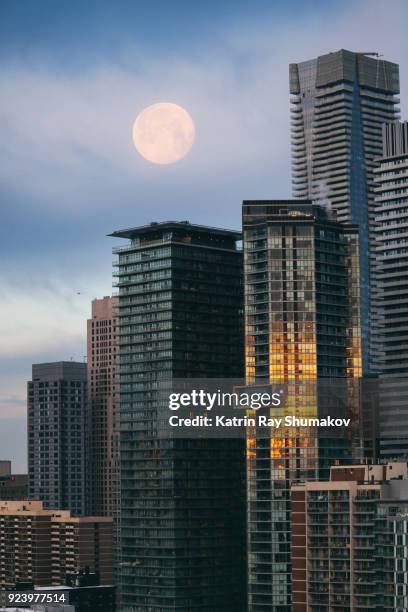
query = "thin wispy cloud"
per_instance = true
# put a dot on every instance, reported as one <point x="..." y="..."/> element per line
<point x="13" y="406"/>
<point x="37" y="323"/>
<point x="44" y="315"/>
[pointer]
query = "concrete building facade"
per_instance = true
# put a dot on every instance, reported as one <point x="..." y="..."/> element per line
<point x="12" y="486"/>
<point x="349" y="540"/>
<point x="391" y="296"/>
<point x="57" y="425"/>
<point x="42" y="546"/>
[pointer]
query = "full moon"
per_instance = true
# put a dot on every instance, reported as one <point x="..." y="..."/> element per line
<point x="163" y="133"/>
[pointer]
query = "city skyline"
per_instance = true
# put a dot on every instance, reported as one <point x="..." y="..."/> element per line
<point x="211" y="196"/>
<point x="240" y="86"/>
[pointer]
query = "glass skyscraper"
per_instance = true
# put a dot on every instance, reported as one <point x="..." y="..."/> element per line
<point x="302" y="329"/>
<point x="339" y="102"/>
<point x="180" y="315"/>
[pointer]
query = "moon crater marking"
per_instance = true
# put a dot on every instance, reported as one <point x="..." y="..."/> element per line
<point x="163" y="133"/>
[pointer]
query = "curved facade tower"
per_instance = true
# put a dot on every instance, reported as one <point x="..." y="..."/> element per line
<point x="339" y="102"/>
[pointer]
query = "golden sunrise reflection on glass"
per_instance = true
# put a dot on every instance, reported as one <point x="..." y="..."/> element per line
<point x="163" y="133"/>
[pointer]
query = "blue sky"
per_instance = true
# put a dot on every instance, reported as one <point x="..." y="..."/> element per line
<point x="97" y="27"/>
<point x="73" y="76"/>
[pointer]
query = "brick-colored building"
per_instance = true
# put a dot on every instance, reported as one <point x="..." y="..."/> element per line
<point x="350" y="539"/>
<point x="103" y="408"/>
<point x="42" y="546"/>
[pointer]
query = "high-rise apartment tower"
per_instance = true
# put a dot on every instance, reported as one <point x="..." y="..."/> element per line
<point x="57" y="400"/>
<point x="182" y="501"/>
<point x="302" y="324"/>
<point x="339" y="102"/>
<point x="391" y="282"/>
<point x="103" y="408"/>
<point x="349" y="540"/>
